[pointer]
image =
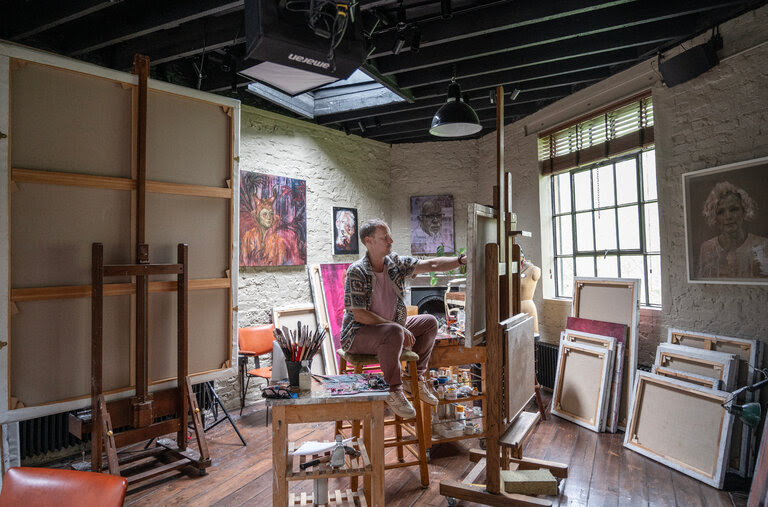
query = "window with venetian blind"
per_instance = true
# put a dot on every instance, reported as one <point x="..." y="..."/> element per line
<point x="604" y="203"/>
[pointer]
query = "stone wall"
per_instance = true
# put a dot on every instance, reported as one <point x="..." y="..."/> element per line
<point x="340" y="170"/>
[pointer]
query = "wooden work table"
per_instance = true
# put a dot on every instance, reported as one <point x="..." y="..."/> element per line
<point x="317" y="406"/>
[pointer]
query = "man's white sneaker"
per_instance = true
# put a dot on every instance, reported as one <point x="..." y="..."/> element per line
<point x="426" y="394"/>
<point x="399" y="405"/>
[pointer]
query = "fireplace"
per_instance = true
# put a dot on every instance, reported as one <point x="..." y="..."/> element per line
<point x="429" y="300"/>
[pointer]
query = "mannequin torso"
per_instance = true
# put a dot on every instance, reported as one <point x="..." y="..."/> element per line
<point x="529" y="278"/>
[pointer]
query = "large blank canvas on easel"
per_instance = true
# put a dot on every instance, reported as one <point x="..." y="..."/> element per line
<point x="73" y="165"/>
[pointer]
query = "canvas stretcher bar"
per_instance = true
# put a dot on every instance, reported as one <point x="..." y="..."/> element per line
<point x="680" y="425"/>
<point x="718" y="365"/>
<point x="610" y="343"/>
<point x="749" y="352"/>
<point x="693" y="378"/>
<point x="582" y="380"/>
<point x="613" y="300"/>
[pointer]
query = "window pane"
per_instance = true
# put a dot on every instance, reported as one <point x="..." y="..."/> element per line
<point x="563" y="235"/>
<point x="582" y="189"/>
<point x="649" y="175"/>
<point x="584" y="233"/>
<point x="585" y="266"/>
<point x="626" y="175"/>
<point x="652" y="242"/>
<point x="654" y="279"/>
<point x="605" y="230"/>
<point x="603" y="177"/>
<point x="608" y="267"/>
<point x="562" y="187"/>
<point x="565" y="277"/>
<point x="629" y="228"/>
<point x="632" y="267"/>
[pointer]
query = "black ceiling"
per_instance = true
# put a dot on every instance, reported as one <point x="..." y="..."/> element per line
<point x="545" y="49"/>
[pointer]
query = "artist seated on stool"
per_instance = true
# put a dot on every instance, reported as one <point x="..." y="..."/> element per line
<point x="375" y="319"/>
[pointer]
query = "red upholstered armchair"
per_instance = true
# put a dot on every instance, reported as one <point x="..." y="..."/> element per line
<point x="61" y="488"/>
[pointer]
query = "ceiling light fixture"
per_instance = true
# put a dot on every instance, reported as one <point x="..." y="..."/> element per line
<point x="514" y="94"/>
<point x="455" y="118"/>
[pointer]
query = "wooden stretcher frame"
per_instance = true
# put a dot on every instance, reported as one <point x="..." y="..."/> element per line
<point x="12" y="176"/>
<point x="723" y="366"/>
<point x="748" y="354"/>
<point x="749" y="351"/>
<point x="610" y="343"/>
<point x="323" y="321"/>
<point x="481" y="229"/>
<point x="693" y="378"/>
<point x="696" y="395"/>
<point x="604" y="357"/>
<point x="289" y="316"/>
<point x="750" y="358"/>
<point x="603" y="312"/>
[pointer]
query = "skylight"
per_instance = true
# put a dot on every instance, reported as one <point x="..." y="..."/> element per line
<point x="358" y="91"/>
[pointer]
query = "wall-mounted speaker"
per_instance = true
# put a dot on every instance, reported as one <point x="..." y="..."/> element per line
<point x="280" y="41"/>
<point x="691" y="63"/>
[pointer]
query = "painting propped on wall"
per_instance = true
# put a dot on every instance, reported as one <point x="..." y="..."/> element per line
<point x="273" y="220"/>
<point x="345" y="238"/>
<point x="431" y="224"/>
<point x="726" y="230"/>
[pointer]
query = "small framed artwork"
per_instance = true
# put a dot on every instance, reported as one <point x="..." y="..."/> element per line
<point x="345" y="239"/>
<point x="431" y="224"/>
<point x="726" y="231"/>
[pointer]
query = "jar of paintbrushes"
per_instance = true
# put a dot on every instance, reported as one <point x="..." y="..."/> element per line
<point x="298" y="345"/>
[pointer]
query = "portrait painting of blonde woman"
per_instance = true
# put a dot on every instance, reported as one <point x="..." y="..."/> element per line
<point x="726" y="212"/>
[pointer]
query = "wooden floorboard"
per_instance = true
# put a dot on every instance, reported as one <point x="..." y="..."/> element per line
<point x="602" y="472"/>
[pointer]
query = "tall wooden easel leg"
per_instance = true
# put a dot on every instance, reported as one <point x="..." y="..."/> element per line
<point x="108" y="437"/>
<point x="197" y="423"/>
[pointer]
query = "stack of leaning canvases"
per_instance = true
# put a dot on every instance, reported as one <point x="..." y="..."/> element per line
<point x="597" y="354"/>
<point x="678" y="416"/>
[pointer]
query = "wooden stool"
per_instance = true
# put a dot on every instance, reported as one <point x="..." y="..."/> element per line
<point x="400" y="424"/>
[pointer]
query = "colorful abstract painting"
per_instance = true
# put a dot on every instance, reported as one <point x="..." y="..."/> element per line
<point x="273" y="220"/>
<point x="333" y="277"/>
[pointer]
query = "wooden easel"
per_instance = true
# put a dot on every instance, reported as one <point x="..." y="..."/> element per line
<point x="502" y="300"/>
<point x="147" y="415"/>
<point x="142" y="410"/>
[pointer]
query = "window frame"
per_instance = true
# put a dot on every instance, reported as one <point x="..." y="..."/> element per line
<point x="618" y="252"/>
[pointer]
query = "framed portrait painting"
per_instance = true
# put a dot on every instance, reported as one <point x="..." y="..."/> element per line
<point x="726" y="223"/>
<point x="273" y="220"/>
<point x="345" y="239"/>
<point x="431" y="224"/>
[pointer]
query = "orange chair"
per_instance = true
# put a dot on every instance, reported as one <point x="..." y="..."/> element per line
<point x="63" y="488"/>
<point x="253" y="342"/>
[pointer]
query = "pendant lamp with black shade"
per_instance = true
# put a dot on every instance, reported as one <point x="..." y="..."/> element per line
<point x="455" y="118"/>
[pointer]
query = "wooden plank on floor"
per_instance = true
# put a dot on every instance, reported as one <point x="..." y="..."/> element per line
<point x="604" y="486"/>
<point x="687" y="491"/>
<point x="658" y="482"/>
<point x="575" y="490"/>
<point x="632" y="482"/>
